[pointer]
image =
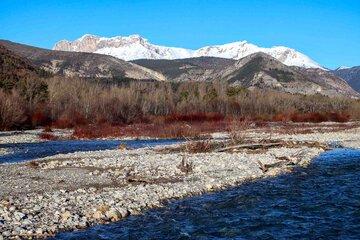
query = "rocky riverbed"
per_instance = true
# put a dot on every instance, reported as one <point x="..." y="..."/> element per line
<point x="76" y="190"/>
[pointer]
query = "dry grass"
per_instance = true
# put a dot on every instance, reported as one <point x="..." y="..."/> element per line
<point x="237" y="130"/>
<point x="199" y="146"/>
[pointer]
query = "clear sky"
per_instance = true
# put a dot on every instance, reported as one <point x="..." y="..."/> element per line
<point x="326" y="30"/>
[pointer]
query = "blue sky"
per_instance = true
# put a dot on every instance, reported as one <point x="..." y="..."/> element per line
<point x="327" y="31"/>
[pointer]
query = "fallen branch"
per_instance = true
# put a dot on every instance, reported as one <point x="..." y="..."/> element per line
<point x="143" y="180"/>
<point x="139" y="180"/>
<point x="263" y="168"/>
<point x="250" y="146"/>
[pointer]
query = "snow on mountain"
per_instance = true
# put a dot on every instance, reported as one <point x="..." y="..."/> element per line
<point x="136" y="47"/>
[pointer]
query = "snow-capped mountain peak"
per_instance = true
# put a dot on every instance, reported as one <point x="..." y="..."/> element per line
<point x="136" y="47"/>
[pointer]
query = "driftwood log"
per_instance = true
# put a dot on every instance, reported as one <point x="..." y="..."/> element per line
<point x="250" y="146"/>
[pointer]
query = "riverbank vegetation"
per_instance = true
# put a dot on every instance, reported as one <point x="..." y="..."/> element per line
<point x="162" y="109"/>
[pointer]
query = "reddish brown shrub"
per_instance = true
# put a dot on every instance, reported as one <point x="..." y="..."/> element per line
<point x="40" y="118"/>
<point x="96" y="131"/>
<point x="308" y="117"/>
<point x="194" y="117"/>
<point x="48" y="136"/>
<point x="70" y="120"/>
<point x="160" y="130"/>
<point x="280" y="117"/>
<point x="316" y="117"/>
<point x="338" y="117"/>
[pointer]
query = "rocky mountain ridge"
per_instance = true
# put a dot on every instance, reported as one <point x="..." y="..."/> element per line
<point x="135" y="47"/>
<point x="350" y="74"/>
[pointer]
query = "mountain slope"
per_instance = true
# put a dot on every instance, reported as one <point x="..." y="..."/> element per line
<point x="14" y="70"/>
<point x="188" y="69"/>
<point x="263" y="71"/>
<point x="257" y="70"/>
<point x="86" y="65"/>
<point x="350" y="75"/>
<point x="135" y="47"/>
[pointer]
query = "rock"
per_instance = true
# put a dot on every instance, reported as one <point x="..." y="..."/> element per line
<point x="98" y="215"/>
<point x="209" y="187"/>
<point x="37" y="208"/>
<point x="113" y="214"/>
<point x="65" y="216"/>
<point x="124" y="212"/>
<point x="122" y="147"/>
<point x="26" y="222"/>
<point x="39" y="231"/>
<point x="18" y="230"/>
<point x="19" y="216"/>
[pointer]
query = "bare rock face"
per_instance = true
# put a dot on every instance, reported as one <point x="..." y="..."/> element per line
<point x="126" y="48"/>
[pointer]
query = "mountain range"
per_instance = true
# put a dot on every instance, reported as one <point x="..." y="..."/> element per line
<point x="254" y="71"/>
<point x="136" y="47"/>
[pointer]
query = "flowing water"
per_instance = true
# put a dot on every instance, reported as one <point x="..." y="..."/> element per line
<point x="28" y="151"/>
<point x="321" y="201"/>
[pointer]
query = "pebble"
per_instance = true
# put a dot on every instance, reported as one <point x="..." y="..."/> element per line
<point x="19" y="215"/>
<point x="65" y="216"/>
<point x="39" y="231"/>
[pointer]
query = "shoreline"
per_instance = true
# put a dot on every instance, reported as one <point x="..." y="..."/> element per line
<point x="77" y="190"/>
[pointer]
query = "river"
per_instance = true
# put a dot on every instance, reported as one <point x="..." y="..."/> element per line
<point x="321" y="201"/>
<point x="19" y="152"/>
